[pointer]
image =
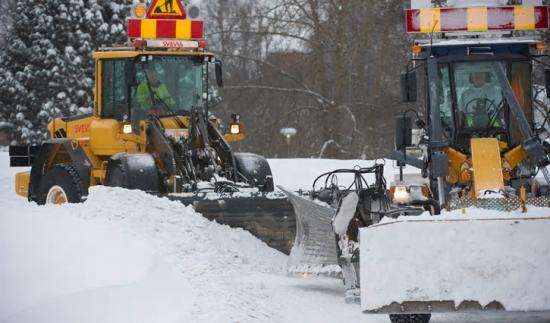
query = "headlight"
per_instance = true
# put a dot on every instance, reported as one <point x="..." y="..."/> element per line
<point x="127" y="129"/>
<point x="235" y="129"/>
<point x="401" y="195"/>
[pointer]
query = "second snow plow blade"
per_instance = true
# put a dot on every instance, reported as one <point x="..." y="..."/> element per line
<point x="456" y="263"/>
<point x="314" y="249"/>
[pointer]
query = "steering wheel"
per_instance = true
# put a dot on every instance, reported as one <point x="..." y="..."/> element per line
<point x="484" y="100"/>
<point x="478" y="100"/>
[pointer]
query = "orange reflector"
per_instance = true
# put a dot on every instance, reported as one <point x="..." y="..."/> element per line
<point x="540" y="45"/>
<point x="139" y="10"/>
<point x="416" y="50"/>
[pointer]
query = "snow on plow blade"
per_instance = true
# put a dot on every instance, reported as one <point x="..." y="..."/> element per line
<point x="314" y="249"/>
<point x="456" y="263"/>
<point x="269" y="216"/>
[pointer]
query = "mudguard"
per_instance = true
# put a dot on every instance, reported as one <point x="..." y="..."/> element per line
<point x="133" y="171"/>
<point x="255" y="169"/>
<point x="43" y="159"/>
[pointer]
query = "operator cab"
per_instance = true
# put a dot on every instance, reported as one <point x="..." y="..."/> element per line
<point x="471" y="100"/>
<point x="136" y="88"/>
<point x="166" y="85"/>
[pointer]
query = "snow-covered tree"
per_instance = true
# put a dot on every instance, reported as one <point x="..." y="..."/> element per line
<point x="46" y="68"/>
<point x="114" y="13"/>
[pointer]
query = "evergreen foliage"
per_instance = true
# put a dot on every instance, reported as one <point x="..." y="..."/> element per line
<point x="46" y="68"/>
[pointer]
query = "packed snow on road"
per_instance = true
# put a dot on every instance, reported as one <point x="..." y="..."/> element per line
<point x="126" y="256"/>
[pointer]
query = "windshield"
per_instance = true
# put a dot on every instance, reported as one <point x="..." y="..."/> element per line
<point x="167" y="85"/>
<point x="472" y="103"/>
<point x="480" y="99"/>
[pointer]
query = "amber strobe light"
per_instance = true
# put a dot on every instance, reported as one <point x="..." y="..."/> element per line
<point x="234" y="128"/>
<point x="139" y="10"/>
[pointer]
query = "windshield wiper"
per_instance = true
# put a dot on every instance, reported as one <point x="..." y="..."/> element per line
<point x="180" y="112"/>
<point x="154" y="95"/>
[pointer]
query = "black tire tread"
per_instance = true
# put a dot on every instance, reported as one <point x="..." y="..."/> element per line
<point x="410" y="318"/>
<point x="75" y="183"/>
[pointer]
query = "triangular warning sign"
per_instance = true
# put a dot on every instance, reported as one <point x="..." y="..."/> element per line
<point x="166" y="9"/>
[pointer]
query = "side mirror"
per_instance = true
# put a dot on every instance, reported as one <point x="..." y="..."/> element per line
<point x="408" y="87"/>
<point x="547" y="82"/>
<point x="403" y="132"/>
<point x="219" y="74"/>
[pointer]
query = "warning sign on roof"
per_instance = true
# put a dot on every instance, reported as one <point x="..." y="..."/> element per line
<point x="166" y="9"/>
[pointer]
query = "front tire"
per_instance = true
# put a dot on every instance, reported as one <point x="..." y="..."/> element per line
<point x="410" y="318"/>
<point x="60" y="185"/>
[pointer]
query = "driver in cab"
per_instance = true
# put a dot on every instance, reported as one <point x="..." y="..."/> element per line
<point x="480" y="101"/>
<point x="152" y="95"/>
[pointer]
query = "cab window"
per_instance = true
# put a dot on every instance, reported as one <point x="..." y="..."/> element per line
<point x="446" y="102"/>
<point x="114" y="90"/>
<point x="521" y="83"/>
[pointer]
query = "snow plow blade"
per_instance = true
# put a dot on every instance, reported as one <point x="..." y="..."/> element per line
<point x="314" y="250"/>
<point x="267" y="215"/>
<point x="456" y="263"/>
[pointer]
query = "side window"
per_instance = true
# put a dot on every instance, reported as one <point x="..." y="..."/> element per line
<point x="521" y="84"/>
<point x="114" y="89"/>
<point x="445" y="101"/>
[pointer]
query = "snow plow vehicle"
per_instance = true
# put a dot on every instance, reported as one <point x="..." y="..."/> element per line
<point x="151" y="130"/>
<point x="483" y="145"/>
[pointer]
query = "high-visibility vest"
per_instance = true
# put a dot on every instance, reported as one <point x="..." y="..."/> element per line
<point x="494" y="123"/>
<point x="145" y="98"/>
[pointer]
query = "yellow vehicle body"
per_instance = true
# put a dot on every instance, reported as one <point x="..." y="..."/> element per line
<point x="101" y="138"/>
<point x="485" y="169"/>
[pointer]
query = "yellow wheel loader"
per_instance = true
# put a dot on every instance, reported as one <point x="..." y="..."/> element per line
<point x="469" y="232"/>
<point x="151" y="129"/>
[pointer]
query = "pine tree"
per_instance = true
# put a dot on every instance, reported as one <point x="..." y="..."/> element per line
<point x="114" y="13"/>
<point x="46" y="68"/>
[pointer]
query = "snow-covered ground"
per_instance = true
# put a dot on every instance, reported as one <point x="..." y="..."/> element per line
<point x="125" y="256"/>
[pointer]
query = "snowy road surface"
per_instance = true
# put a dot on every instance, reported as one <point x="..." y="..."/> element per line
<point x="125" y="256"/>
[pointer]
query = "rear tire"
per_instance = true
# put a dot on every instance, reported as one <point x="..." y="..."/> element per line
<point x="410" y="318"/>
<point x="60" y="185"/>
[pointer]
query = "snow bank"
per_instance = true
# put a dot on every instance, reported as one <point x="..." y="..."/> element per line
<point x="101" y="267"/>
<point x="57" y="268"/>
<point x="481" y="255"/>
<point x="180" y="266"/>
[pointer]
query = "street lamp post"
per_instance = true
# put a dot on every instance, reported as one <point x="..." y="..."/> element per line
<point x="288" y="133"/>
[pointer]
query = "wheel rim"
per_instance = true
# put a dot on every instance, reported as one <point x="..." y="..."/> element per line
<point x="56" y="195"/>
